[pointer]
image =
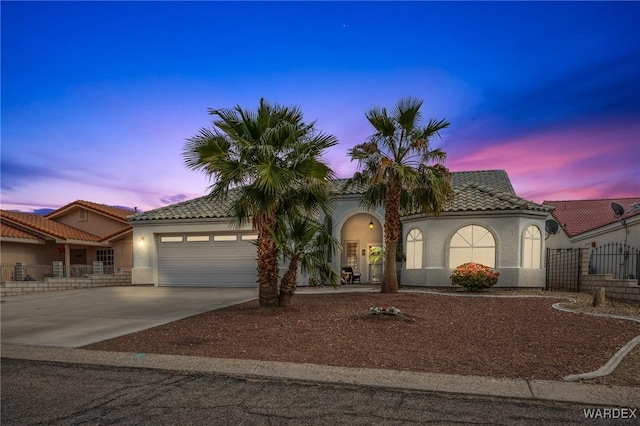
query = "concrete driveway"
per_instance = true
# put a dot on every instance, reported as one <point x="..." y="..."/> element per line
<point x="74" y="318"/>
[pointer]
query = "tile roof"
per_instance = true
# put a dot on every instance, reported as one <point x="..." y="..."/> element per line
<point x="118" y="233"/>
<point x="8" y="231"/>
<point x="475" y="191"/>
<point x="198" y="208"/>
<point x="46" y="226"/>
<point x="586" y="215"/>
<point x="114" y="212"/>
<point x="478" y="197"/>
<point x="496" y="179"/>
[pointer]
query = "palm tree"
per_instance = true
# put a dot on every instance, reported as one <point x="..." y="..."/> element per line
<point x="401" y="172"/>
<point x="304" y="242"/>
<point x="264" y="163"/>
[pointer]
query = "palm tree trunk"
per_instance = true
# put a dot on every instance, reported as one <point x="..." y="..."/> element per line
<point x="391" y="237"/>
<point x="288" y="284"/>
<point x="268" y="270"/>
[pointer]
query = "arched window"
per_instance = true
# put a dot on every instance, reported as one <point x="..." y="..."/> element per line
<point x="472" y="243"/>
<point x="531" y="247"/>
<point x="414" y="249"/>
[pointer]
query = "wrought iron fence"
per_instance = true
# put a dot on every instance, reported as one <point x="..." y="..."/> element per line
<point x="563" y="269"/>
<point x="617" y="259"/>
<point x="25" y="272"/>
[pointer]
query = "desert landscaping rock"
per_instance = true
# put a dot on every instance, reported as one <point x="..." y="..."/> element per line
<point x="512" y="337"/>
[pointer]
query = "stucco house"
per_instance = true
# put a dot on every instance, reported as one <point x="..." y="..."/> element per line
<point x="193" y="243"/>
<point x="76" y="234"/>
<point x="586" y="223"/>
<point x="605" y="230"/>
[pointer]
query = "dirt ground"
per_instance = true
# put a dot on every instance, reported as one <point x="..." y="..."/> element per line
<point x="517" y="337"/>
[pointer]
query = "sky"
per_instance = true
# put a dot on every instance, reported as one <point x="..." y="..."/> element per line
<point x="98" y="98"/>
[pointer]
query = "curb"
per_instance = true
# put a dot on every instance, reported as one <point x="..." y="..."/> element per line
<point x="544" y="390"/>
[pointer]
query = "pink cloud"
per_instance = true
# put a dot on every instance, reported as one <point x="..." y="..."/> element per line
<point x="597" y="160"/>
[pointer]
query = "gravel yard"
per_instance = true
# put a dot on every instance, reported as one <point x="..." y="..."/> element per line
<point x="519" y="337"/>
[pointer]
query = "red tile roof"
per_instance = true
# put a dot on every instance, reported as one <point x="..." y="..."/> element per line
<point x="114" y="212"/>
<point x="8" y="231"/>
<point x="118" y="233"/>
<point x="586" y="215"/>
<point x="46" y="226"/>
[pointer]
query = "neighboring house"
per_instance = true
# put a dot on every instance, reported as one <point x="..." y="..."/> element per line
<point x="194" y="243"/>
<point x="608" y="231"/>
<point x="592" y="223"/>
<point x="76" y="235"/>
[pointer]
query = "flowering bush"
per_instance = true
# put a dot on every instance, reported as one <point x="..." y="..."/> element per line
<point x="474" y="276"/>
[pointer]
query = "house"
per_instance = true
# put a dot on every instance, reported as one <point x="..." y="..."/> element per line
<point x="606" y="232"/>
<point x="193" y="243"/>
<point x="583" y="223"/>
<point x="75" y="235"/>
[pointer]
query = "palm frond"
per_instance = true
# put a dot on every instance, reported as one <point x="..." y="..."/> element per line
<point x="407" y="114"/>
<point x="434" y="127"/>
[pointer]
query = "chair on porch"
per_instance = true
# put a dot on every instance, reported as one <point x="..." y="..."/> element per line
<point x="355" y="276"/>
<point x="352" y="276"/>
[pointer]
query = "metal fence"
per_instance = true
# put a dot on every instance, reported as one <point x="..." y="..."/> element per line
<point x="617" y="259"/>
<point x="25" y="272"/>
<point x="563" y="269"/>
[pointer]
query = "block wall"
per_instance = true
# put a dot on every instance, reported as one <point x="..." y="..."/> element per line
<point x="624" y="290"/>
<point x="15" y="288"/>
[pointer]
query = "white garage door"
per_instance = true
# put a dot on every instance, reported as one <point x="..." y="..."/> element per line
<point x="226" y="260"/>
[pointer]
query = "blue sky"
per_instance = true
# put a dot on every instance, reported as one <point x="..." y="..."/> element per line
<point x="98" y="98"/>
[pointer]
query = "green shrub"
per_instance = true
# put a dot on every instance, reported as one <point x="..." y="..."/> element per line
<point x="474" y="276"/>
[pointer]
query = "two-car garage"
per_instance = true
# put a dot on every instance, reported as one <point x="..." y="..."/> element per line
<point x="207" y="260"/>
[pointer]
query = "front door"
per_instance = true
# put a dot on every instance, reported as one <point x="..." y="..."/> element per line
<point x="376" y="256"/>
<point x="79" y="267"/>
<point x="78" y="256"/>
<point x="351" y="255"/>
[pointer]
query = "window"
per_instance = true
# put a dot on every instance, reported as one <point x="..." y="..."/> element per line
<point x="170" y="239"/>
<point x="83" y="215"/>
<point x="197" y="238"/>
<point x="225" y="238"/>
<point x="105" y="256"/>
<point x="249" y="237"/>
<point x="352" y="255"/>
<point x="532" y="247"/>
<point x="414" y="249"/>
<point x="472" y="243"/>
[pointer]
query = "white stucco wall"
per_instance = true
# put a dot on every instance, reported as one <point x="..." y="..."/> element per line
<point x="507" y="229"/>
<point x="351" y="223"/>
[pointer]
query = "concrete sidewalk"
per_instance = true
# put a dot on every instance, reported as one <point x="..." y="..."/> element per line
<point x="589" y="395"/>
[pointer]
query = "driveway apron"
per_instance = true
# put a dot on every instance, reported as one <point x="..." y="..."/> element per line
<point x="74" y="318"/>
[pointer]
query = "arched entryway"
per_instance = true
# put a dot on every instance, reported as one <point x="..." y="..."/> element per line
<point x="359" y="234"/>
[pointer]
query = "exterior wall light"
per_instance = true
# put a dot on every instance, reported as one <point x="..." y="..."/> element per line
<point x="371" y="223"/>
<point x="141" y="242"/>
